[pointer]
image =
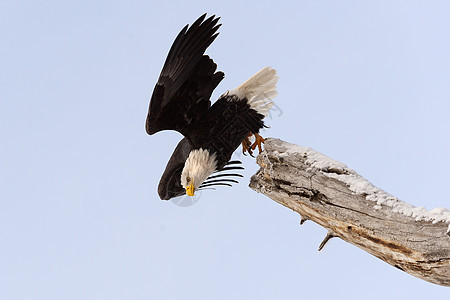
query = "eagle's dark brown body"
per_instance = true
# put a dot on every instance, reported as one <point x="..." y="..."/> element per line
<point x="222" y="132"/>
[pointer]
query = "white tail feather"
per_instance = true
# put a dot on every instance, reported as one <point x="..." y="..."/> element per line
<point x="259" y="90"/>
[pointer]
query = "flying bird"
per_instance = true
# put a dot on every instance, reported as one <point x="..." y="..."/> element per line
<point x="181" y="102"/>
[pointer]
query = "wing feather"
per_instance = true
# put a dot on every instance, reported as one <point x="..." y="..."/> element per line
<point x="187" y="80"/>
<point x="170" y="182"/>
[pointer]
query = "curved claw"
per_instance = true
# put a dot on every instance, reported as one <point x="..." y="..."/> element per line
<point x="258" y="141"/>
<point x="250" y="151"/>
<point x="247" y="146"/>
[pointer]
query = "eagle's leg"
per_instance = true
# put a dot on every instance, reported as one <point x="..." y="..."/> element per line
<point x="258" y="141"/>
<point x="247" y="145"/>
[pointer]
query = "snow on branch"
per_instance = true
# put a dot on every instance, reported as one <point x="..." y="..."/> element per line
<point x="329" y="193"/>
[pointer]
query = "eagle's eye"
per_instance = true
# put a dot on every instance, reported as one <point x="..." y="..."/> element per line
<point x="188" y="179"/>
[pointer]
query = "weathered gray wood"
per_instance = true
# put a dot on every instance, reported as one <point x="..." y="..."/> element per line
<point x="419" y="248"/>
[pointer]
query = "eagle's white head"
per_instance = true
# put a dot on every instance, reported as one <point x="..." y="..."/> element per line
<point x="198" y="166"/>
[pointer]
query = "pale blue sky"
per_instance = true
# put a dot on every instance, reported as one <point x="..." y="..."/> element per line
<point x="364" y="82"/>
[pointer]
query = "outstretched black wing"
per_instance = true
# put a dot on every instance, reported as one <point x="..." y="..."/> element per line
<point x="187" y="80"/>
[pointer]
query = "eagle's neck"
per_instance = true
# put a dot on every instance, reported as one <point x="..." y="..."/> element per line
<point x="198" y="166"/>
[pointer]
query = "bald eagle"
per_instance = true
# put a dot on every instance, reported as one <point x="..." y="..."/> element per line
<point x="181" y="102"/>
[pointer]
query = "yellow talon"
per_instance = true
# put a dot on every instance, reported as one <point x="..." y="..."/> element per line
<point x="246" y="145"/>
<point x="258" y="141"/>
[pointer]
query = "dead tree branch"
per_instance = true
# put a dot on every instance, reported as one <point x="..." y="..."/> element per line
<point x="349" y="207"/>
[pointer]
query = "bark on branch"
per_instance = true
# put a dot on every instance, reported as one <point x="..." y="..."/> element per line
<point x="327" y="192"/>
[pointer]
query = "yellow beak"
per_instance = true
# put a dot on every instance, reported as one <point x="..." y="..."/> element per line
<point x="190" y="190"/>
